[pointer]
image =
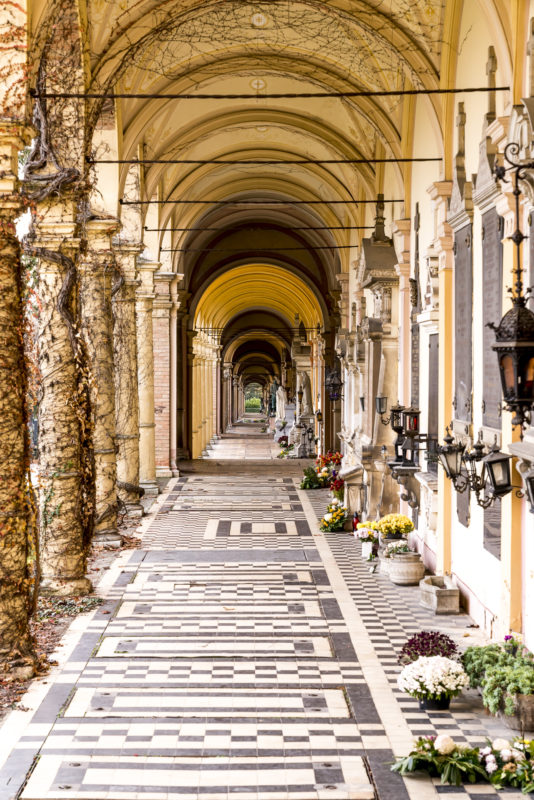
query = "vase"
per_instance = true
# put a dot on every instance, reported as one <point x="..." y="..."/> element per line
<point x="406" y="569"/>
<point x="435" y="703"/>
<point x="367" y="549"/>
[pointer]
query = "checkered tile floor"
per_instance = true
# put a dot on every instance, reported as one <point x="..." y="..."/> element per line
<point x="240" y="652"/>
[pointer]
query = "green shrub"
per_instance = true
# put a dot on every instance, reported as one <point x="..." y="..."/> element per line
<point x="476" y="660"/>
<point x="252" y="404"/>
<point x="310" y="479"/>
<point x="501" y="684"/>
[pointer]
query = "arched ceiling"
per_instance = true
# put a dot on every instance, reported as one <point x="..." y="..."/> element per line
<point x="257" y="287"/>
<point x="232" y="47"/>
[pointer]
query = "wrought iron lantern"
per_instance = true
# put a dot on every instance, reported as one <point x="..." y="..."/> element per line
<point x="477" y="471"/>
<point x="396" y="414"/>
<point x="333" y="384"/>
<point x="450" y="457"/>
<point x="381" y="405"/>
<point x="300" y="395"/>
<point x="514" y="335"/>
<point x="319" y="415"/>
<point x="497" y="467"/>
<point x="405" y="423"/>
<point x="410" y="421"/>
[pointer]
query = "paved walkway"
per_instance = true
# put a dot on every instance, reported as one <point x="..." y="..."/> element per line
<point x="240" y="653"/>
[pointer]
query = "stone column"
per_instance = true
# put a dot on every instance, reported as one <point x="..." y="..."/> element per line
<point x="184" y="382"/>
<point x="95" y="271"/>
<point x="126" y="392"/>
<point x="173" y="397"/>
<point x="145" y="376"/>
<point x="161" y="321"/>
<point x="235" y="389"/>
<point x="17" y="524"/>
<point x="65" y="520"/>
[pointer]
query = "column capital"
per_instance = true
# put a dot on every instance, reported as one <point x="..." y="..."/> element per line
<point x="13" y="137"/>
<point x="401" y="239"/>
<point x="126" y="246"/>
<point x="100" y="230"/>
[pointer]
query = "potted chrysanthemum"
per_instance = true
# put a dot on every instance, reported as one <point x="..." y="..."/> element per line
<point x="394" y="526"/>
<point x="433" y="680"/>
<point x="367" y="534"/>
<point x="335" y="517"/>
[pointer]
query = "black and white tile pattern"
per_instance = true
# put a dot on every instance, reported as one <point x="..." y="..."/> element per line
<point x="232" y="659"/>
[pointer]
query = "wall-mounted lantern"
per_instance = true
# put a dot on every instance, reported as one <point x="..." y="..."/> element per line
<point x="476" y="470"/>
<point x="333" y="385"/>
<point x="514" y="335"/>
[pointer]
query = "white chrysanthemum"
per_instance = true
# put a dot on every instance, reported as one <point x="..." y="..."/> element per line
<point x="432" y="676"/>
<point x="501" y="744"/>
<point x="491" y="767"/>
<point x="517" y="755"/>
<point x="327" y="517"/>
<point x="444" y="745"/>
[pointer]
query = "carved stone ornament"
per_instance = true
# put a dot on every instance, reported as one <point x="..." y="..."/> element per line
<point x="461" y="203"/>
<point x="521" y="131"/>
<point x="431" y="298"/>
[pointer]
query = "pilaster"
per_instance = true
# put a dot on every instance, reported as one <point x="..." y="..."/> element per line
<point x="145" y="372"/>
<point x="164" y="288"/>
<point x="401" y="238"/>
<point x="440" y="193"/>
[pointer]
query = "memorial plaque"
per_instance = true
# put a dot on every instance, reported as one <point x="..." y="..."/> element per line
<point x="463" y="507"/>
<point x="492" y="529"/>
<point x="433" y="390"/>
<point x="414" y="389"/>
<point x="492" y="261"/>
<point x="463" y="324"/>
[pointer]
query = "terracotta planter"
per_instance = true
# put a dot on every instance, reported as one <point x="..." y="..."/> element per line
<point x="406" y="569"/>
<point x="523" y="719"/>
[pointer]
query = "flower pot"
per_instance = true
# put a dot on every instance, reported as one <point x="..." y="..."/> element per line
<point x="523" y="719"/>
<point x="367" y="549"/>
<point x="435" y="703"/>
<point x="406" y="569"/>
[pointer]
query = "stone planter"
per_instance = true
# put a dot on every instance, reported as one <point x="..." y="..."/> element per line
<point x="439" y="594"/>
<point x="406" y="569"/>
<point x="523" y="719"/>
<point x="384" y="565"/>
<point x="391" y="537"/>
